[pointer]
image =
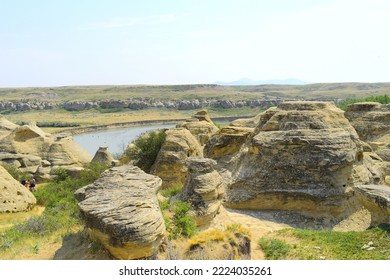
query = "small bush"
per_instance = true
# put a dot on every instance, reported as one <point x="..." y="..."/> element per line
<point x="274" y="249"/>
<point x="145" y="148"/>
<point x="184" y="225"/>
<point x="60" y="174"/>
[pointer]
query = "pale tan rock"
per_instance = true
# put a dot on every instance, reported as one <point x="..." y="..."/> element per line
<point x="170" y="166"/>
<point x="32" y="150"/>
<point x="376" y="198"/>
<point x="204" y="189"/>
<point x="13" y="196"/>
<point x="103" y="156"/>
<point x="200" y="126"/>
<point x="121" y="210"/>
<point x="303" y="156"/>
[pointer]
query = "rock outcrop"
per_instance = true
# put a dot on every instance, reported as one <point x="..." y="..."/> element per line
<point x="302" y="156"/>
<point x="31" y="150"/>
<point x="170" y="166"/>
<point x="13" y="196"/>
<point x="104" y="156"/>
<point x="121" y="210"/>
<point x="375" y="198"/>
<point x="200" y="125"/>
<point x="372" y="123"/>
<point x="203" y="189"/>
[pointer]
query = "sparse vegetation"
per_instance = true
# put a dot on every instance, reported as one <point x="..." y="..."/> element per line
<point x="171" y="191"/>
<point x="13" y="171"/>
<point x="61" y="211"/>
<point x="274" y="249"/>
<point x="145" y="148"/>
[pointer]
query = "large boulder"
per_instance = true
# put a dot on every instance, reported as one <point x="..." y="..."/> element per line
<point x="302" y="156"/>
<point x="204" y="189"/>
<point x="121" y="210"/>
<point x="376" y="198"/>
<point x="200" y="125"/>
<point x="13" y="196"/>
<point x="170" y="166"/>
<point x="372" y="123"/>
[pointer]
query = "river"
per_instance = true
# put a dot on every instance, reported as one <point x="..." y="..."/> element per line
<point x="116" y="139"/>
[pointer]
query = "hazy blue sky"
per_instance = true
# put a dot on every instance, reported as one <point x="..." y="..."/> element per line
<point x="55" y="43"/>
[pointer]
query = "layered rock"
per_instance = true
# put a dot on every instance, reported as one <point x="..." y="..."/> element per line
<point x="302" y="156"/>
<point x="13" y="196"/>
<point x="32" y="150"/>
<point x="375" y="198"/>
<point x="121" y="210"/>
<point x="204" y="189"/>
<point x="372" y="123"/>
<point x="200" y="125"/>
<point x="170" y="166"/>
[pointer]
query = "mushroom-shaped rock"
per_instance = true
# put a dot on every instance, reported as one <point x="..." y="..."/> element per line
<point x="13" y="196"/>
<point x="121" y="210"/>
<point x="170" y="166"/>
<point x="204" y="189"/>
<point x="201" y="126"/>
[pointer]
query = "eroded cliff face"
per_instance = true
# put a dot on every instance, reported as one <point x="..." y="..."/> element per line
<point x="302" y="156"/>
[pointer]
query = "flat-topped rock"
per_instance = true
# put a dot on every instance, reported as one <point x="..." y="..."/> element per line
<point x="121" y="210"/>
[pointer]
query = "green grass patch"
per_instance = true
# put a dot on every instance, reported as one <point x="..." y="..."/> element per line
<point x="171" y="191"/>
<point x="61" y="211"/>
<point x="274" y="249"/>
<point x="371" y="244"/>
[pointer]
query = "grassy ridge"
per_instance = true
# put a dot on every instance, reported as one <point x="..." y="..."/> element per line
<point x="179" y="92"/>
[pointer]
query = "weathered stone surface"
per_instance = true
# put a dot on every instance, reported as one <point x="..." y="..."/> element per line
<point x="372" y="123"/>
<point x="303" y="156"/>
<point x="104" y="156"/>
<point x="121" y="210"/>
<point x="227" y="141"/>
<point x="204" y="189"/>
<point x="200" y="126"/>
<point x="376" y="198"/>
<point x="13" y="196"/>
<point x="170" y="166"/>
<point x="32" y="150"/>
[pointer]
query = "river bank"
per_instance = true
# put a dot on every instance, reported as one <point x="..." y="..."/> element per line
<point x="95" y="128"/>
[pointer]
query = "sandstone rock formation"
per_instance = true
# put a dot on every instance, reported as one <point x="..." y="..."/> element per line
<point x="32" y="150"/>
<point x="104" y="156"/>
<point x="121" y="210"/>
<point x="302" y="156"/>
<point x="372" y="123"/>
<point x="170" y="166"/>
<point x="201" y="126"/>
<point x="376" y="198"/>
<point x="203" y="189"/>
<point x="13" y="196"/>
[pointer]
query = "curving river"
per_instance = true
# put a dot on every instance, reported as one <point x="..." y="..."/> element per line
<point x="116" y="139"/>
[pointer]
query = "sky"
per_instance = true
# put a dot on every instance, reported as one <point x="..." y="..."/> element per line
<point x="114" y="42"/>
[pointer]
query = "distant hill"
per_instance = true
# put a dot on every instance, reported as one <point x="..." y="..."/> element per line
<point x="248" y="82"/>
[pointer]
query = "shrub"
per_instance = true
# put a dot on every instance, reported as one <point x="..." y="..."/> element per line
<point x="183" y="223"/>
<point x="60" y="174"/>
<point x="171" y="191"/>
<point x="145" y="148"/>
<point x="274" y="249"/>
